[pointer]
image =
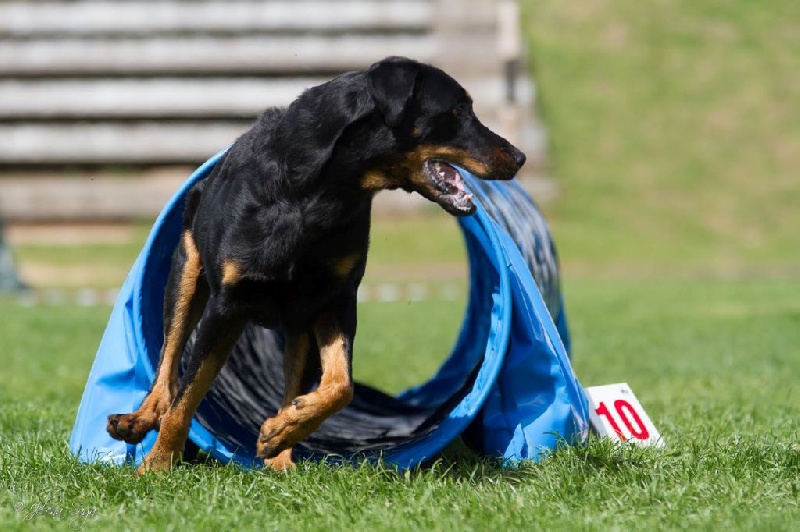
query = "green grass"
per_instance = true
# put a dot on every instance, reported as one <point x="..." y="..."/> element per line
<point x="118" y="256"/>
<point x="673" y="133"/>
<point x="427" y="333"/>
<point x="713" y="362"/>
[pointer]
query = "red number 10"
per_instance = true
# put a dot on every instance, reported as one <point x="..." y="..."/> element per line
<point x="628" y="415"/>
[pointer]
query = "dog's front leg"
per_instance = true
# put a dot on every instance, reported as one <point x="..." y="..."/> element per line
<point x="184" y="301"/>
<point x="334" y="332"/>
<point x="300" y="371"/>
<point x="216" y="335"/>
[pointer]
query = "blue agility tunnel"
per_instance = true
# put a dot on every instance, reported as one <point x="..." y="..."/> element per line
<point x="507" y="388"/>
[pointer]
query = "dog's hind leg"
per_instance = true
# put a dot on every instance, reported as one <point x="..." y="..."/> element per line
<point x="185" y="299"/>
<point x="300" y="371"/>
<point x="334" y="333"/>
<point x="215" y="337"/>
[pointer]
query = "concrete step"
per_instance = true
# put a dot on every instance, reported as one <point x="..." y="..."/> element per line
<point x="176" y="97"/>
<point x="48" y="198"/>
<point x="147" y="18"/>
<point x="115" y="143"/>
<point x="147" y="98"/>
<point x="197" y="55"/>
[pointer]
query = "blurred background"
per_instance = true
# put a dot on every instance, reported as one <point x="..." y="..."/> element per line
<point x="663" y="137"/>
<point x="674" y="134"/>
<point x="663" y="140"/>
<point x="107" y="107"/>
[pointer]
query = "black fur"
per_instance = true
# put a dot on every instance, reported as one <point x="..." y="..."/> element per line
<point x="289" y="205"/>
<point x="287" y="196"/>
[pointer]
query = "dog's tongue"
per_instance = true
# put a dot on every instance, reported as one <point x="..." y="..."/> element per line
<point x="449" y="177"/>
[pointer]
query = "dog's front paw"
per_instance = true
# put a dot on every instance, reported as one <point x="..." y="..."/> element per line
<point x="130" y="428"/>
<point x="279" y="434"/>
<point x="272" y="438"/>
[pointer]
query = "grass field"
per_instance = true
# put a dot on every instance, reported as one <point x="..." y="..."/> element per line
<point x="673" y="133"/>
<point x="713" y="361"/>
<point x="675" y="147"/>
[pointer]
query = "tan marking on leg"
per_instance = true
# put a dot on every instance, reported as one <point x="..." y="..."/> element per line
<point x="174" y="430"/>
<point x="175" y="422"/>
<point x="336" y="383"/>
<point x="344" y="265"/>
<point x="168" y="448"/>
<point x="231" y="273"/>
<point x="295" y="359"/>
<point x="308" y="412"/>
<point x="282" y="462"/>
<point x="181" y="326"/>
<point x="133" y="427"/>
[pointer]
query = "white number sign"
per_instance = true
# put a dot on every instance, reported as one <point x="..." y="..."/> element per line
<point x="615" y="413"/>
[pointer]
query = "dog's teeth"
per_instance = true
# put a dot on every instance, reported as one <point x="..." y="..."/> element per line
<point x="437" y="166"/>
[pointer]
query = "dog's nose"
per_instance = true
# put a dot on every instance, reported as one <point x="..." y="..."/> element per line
<point x="518" y="156"/>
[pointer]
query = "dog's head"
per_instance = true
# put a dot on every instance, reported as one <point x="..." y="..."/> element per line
<point x="434" y="130"/>
<point x="398" y="124"/>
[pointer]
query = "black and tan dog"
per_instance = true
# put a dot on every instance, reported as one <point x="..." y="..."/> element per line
<point x="278" y="234"/>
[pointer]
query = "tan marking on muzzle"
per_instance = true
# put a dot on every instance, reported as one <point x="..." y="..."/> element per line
<point x="451" y="155"/>
<point x="408" y="168"/>
<point x="375" y="180"/>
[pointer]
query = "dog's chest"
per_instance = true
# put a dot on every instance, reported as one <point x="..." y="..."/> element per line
<point x="315" y="285"/>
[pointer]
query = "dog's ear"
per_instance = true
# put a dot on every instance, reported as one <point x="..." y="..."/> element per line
<point x="391" y="84"/>
<point x="313" y="124"/>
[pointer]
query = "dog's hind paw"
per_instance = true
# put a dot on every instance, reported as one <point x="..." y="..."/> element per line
<point x="158" y="462"/>
<point x="282" y="462"/>
<point x="278" y="436"/>
<point x="270" y="445"/>
<point x="130" y="428"/>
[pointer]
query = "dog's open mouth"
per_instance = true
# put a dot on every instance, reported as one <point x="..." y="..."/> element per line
<point x="451" y="188"/>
